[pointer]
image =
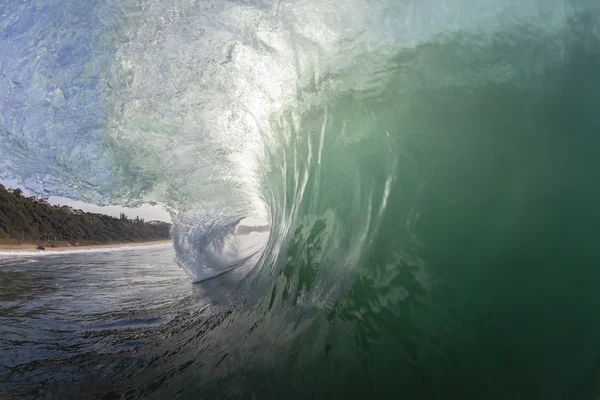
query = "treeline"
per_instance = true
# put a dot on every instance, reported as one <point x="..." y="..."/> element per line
<point x="24" y="219"/>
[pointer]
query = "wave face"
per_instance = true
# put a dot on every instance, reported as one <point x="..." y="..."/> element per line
<point x="427" y="169"/>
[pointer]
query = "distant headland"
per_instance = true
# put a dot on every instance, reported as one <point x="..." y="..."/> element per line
<point x="31" y="220"/>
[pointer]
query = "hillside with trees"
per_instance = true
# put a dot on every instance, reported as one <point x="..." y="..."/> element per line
<point x="24" y="219"/>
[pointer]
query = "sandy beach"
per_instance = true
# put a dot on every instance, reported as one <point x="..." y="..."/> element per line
<point x="28" y="247"/>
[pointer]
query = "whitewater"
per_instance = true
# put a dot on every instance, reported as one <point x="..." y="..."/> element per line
<point x="423" y="174"/>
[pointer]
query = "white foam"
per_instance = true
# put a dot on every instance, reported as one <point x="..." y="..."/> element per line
<point x="46" y="253"/>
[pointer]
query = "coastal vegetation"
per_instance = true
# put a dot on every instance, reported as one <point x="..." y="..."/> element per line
<point x="28" y="219"/>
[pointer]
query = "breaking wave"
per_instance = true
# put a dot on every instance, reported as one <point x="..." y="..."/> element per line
<point x="426" y="170"/>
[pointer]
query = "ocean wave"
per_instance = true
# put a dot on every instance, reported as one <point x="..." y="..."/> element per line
<point x="414" y="161"/>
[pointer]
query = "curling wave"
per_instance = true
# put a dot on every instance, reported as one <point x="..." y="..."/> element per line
<point x="414" y="161"/>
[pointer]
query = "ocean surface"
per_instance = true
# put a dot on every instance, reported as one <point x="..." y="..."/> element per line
<point x="96" y="323"/>
<point x="70" y="324"/>
<point x="428" y="172"/>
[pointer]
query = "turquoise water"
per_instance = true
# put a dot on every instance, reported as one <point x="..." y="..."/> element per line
<point x="427" y="170"/>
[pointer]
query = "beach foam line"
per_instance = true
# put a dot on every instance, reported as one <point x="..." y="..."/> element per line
<point x="14" y="253"/>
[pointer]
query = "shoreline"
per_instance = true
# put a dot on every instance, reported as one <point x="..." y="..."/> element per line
<point x="31" y="248"/>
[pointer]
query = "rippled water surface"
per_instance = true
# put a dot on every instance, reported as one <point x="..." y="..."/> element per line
<point x="69" y="322"/>
<point x="428" y="170"/>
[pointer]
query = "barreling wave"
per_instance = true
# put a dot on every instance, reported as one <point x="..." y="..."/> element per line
<point x="414" y="161"/>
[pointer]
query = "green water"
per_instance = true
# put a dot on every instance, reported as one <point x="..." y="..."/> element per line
<point x="478" y="278"/>
<point x="428" y="170"/>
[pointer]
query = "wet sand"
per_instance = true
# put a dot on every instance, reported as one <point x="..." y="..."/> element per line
<point x="28" y="247"/>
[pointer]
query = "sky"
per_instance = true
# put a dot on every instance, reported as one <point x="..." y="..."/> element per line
<point x="146" y="211"/>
